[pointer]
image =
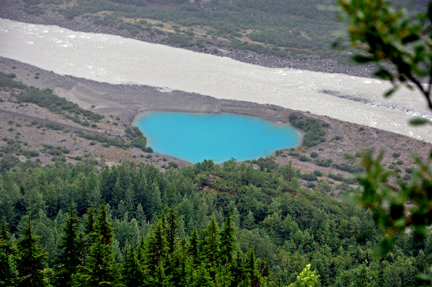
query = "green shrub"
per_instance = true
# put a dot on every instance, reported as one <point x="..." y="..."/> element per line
<point x="309" y="177"/>
<point x="324" y="162"/>
<point x="313" y="132"/>
<point x="318" y="173"/>
<point x="311" y="185"/>
<point x="173" y="165"/>
<point x="304" y="158"/>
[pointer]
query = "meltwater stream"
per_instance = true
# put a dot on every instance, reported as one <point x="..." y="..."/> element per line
<point x="117" y="60"/>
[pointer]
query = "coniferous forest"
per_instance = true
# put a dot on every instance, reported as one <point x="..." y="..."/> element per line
<point x="207" y="225"/>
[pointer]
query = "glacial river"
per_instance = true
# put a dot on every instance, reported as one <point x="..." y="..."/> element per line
<point x="117" y="60"/>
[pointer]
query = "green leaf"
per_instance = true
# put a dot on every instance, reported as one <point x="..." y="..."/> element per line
<point x="362" y="59"/>
<point x="424" y="277"/>
<point x="383" y="247"/>
<point x="396" y="211"/>
<point x="422" y="16"/>
<point x="384" y="74"/>
<point x="418" y="121"/>
<point x="420" y="230"/>
<point x="430" y="11"/>
<point x="411" y="38"/>
<point x="390" y="92"/>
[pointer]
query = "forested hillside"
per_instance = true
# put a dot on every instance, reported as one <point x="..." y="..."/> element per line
<point x="285" y="226"/>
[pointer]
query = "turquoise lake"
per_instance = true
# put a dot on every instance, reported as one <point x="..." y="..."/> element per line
<point x="220" y="137"/>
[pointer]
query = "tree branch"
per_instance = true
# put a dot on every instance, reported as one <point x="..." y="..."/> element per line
<point x="425" y="93"/>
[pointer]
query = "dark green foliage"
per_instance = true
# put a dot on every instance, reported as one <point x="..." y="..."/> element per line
<point x="8" y="162"/>
<point x="318" y="173"/>
<point x="324" y="162"/>
<point x="117" y="142"/>
<point x="210" y="248"/>
<point x="6" y="81"/>
<point x="157" y="248"/>
<point x="227" y="240"/>
<point x="287" y="226"/>
<point x="71" y="248"/>
<point x="54" y="126"/>
<point x="8" y="270"/>
<point x="340" y="177"/>
<point x="134" y="273"/>
<point x="46" y="99"/>
<point x="348" y="167"/>
<point x="312" y="129"/>
<point x="49" y="149"/>
<point x="308" y="176"/>
<point x="304" y="158"/>
<point x="99" y="269"/>
<point x="137" y="139"/>
<point x="31" y="259"/>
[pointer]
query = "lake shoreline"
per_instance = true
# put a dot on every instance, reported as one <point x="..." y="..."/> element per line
<point x="127" y="101"/>
<point x="13" y="10"/>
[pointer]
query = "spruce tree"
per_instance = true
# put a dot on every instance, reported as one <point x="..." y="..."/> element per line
<point x="157" y="249"/>
<point x="227" y="240"/>
<point x="172" y="228"/>
<point x="202" y="277"/>
<point x="180" y="265"/>
<point x="99" y="269"/>
<point x="141" y="251"/>
<point x="211" y="247"/>
<point x="89" y="225"/>
<point x="71" y="250"/>
<point x="250" y="270"/>
<point x="88" y="237"/>
<point x="5" y="235"/>
<point x="134" y="274"/>
<point x="237" y="269"/>
<point x="8" y="268"/>
<point x="224" y="276"/>
<point x="194" y="244"/>
<point x="159" y="278"/>
<point x="7" y="245"/>
<point x="31" y="259"/>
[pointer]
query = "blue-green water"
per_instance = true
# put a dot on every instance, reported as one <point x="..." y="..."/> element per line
<point x="195" y="137"/>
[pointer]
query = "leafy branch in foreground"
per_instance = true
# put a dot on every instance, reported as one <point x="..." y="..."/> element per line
<point x="397" y="206"/>
<point x="387" y="35"/>
<point x="401" y="46"/>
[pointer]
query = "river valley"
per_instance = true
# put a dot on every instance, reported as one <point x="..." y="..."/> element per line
<point x="117" y="60"/>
